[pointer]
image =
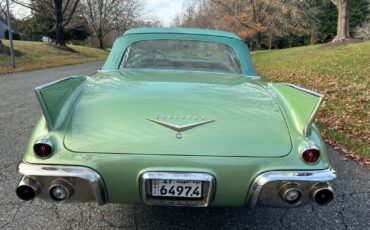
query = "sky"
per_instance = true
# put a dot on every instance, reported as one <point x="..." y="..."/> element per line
<point x="164" y="10"/>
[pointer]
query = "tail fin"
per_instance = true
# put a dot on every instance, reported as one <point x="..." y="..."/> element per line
<point x="302" y="105"/>
<point x="57" y="98"/>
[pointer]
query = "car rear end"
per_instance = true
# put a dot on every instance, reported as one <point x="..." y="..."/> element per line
<point x="193" y="136"/>
<point x="175" y="180"/>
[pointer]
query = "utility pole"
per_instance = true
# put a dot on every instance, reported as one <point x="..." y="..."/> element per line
<point x="10" y="35"/>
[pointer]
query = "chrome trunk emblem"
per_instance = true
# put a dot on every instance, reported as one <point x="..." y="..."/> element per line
<point x="179" y="128"/>
<point x="178" y="135"/>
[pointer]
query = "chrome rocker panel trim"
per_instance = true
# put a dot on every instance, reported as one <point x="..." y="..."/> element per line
<point x="208" y="188"/>
<point x="309" y="178"/>
<point x="44" y="174"/>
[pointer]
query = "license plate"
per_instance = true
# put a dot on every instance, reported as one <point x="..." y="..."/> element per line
<point x="177" y="188"/>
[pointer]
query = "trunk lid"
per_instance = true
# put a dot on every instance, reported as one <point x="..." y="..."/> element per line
<point x="128" y="114"/>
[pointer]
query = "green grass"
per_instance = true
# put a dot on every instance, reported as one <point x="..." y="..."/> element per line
<point x="37" y="55"/>
<point x="342" y="74"/>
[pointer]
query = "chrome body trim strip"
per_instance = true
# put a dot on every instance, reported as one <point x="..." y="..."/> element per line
<point x="208" y="188"/>
<point x="304" y="90"/>
<point x="52" y="83"/>
<point x="60" y="171"/>
<point x="291" y="176"/>
<point x="311" y="119"/>
<point x="45" y="112"/>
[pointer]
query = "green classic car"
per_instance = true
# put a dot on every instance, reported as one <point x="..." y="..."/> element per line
<point x="177" y="117"/>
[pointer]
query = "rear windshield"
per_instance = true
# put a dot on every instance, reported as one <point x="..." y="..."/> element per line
<point x="181" y="55"/>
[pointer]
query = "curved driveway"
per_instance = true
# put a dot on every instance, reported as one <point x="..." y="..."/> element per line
<point x="19" y="111"/>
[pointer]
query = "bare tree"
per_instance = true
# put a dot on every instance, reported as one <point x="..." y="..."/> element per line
<point x="255" y="17"/>
<point x="127" y="13"/>
<point x="308" y="15"/>
<point x="343" y="19"/>
<point x="300" y="19"/>
<point x="62" y="11"/>
<point x="103" y="16"/>
<point x="2" y="8"/>
<point x="203" y="14"/>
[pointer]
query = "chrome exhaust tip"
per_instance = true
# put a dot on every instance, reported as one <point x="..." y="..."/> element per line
<point x="291" y="194"/>
<point x="322" y="194"/>
<point x="27" y="189"/>
<point x="60" y="191"/>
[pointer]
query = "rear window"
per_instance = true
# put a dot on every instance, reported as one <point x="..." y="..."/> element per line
<point x="181" y="55"/>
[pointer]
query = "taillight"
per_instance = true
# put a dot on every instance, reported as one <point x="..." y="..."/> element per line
<point x="43" y="149"/>
<point x="311" y="156"/>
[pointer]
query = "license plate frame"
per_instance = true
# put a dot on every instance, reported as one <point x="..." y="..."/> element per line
<point x="206" y="183"/>
<point x="181" y="189"/>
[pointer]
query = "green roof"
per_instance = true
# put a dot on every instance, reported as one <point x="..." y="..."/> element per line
<point x="218" y="33"/>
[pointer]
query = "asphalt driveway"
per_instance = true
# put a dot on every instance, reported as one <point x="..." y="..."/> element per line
<point x="19" y="111"/>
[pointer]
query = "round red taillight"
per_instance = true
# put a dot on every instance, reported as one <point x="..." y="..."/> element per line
<point x="311" y="156"/>
<point x="43" y="149"/>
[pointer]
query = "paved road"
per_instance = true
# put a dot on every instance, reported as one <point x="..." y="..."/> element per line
<point x="19" y="112"/>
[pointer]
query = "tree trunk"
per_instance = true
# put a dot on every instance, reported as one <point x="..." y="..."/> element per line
<point x="312" y="39"/>
<point x="101" y="43"/>
<point x="343" y="20"/>
<point x="270" y="43"/>
<point x="59" y="23"/>
<point x="258" y="41"/>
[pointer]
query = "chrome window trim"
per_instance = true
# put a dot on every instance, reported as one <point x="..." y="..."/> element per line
<point x="243" y="68"/>
<point x="121" y="70"/>
<point x="264" y="178"/>
<point x="84" y="173"/>
<point x="205" y="177"/>
<point x="311" y="119"/>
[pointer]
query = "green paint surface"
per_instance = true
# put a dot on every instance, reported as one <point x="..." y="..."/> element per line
<point x="100" y="122"/>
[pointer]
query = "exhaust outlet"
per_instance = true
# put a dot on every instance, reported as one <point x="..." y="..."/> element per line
<point x="291" y="194"/>
<point x="60" y="191"/>
<point x="322" y="194"/>
<point x="27" y="188"/>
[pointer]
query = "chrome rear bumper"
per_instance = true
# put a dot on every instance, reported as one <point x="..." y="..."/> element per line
<point x="86" y="184"/>
<point x="266" y="187"/>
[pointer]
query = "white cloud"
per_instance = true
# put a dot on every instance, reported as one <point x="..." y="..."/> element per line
<point x="164" y="10"/>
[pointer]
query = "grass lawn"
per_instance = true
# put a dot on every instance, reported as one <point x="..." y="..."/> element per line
<point x="342" y="74"/>
<point x="37" y="55"/>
